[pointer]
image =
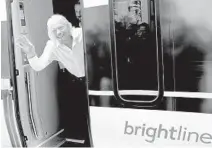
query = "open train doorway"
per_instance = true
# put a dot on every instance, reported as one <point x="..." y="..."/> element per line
<point x="50" y="102"/>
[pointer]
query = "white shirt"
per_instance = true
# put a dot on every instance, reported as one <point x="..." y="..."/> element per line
<point x="71" y="59"/>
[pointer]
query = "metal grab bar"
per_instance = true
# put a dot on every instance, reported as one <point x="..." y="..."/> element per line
<point x="140" y="104"/>
<point x="29" y="96"/>
<point x="176" y="94"/>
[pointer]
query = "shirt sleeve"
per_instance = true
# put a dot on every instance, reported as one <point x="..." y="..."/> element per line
<point x="45" y="59"/>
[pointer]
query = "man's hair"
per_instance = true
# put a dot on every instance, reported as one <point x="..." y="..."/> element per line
<point x="77" y="2"/>
<point x="144" y="25"/>
<point x="57" y="19"/>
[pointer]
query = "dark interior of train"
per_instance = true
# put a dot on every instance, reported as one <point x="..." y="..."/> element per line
<point x="78" y="110"/>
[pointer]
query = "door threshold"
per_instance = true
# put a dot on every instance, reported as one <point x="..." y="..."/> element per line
<point x="75" y="140"/>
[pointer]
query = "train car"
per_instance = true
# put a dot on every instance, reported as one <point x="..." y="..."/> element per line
<point x="148" y="74"/>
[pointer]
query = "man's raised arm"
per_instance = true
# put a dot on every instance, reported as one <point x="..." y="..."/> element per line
<point x="36" y="63"/>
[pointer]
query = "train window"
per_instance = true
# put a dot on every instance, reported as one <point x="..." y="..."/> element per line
<point x="136" y="49"/>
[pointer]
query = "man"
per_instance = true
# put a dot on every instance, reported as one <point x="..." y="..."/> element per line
<point x="77" y="8"/>
<point x="143" y="31"/>
<point x="66" y="47"/>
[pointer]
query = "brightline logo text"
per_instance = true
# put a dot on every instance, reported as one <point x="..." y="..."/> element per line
<point x="174" y="133"/>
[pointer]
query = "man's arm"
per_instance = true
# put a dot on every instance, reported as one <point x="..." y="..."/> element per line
<point x="44" y="60"/>
<point x="36" y="63"/>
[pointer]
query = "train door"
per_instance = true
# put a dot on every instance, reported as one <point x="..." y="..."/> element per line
<point x="32" y="106"/>
<point x="134" y="77"/>
<point x="40" y="119"/>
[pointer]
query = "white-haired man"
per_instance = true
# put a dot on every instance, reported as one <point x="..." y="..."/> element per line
<point x="66" y="47"/>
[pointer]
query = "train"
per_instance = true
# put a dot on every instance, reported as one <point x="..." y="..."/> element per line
<point x="148" y="69"/>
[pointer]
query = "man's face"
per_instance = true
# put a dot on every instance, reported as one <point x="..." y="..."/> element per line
<point x="142" y="32"/>
<point x="61" y="32"/>
<point x="77" y="8"/>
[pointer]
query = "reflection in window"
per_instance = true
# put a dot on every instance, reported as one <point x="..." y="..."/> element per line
<point x="96" y="31"/>
<point x="135" y="45"/>
<point x="187" y="51"/>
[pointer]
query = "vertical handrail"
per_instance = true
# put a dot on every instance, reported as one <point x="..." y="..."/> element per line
<point x="29" y="96"/>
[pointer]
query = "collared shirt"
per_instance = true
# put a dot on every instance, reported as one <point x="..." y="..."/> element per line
<point x="71" y="59"/>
